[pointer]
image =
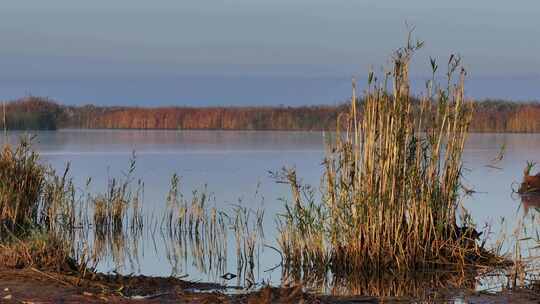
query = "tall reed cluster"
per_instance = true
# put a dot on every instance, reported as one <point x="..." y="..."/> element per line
<point x="21" y="185"/>
<point x="390" y="191"/>
<point x="36" y="211"/>
<point x="32" y="195"/>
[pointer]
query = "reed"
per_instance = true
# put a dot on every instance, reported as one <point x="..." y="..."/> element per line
<point x="21" y="186"/>
<point x="110" y="208"/>
<point x="37" y="212"/>
<point x="60" y="206"/>
<point x="192" y="228"/>
<point x="46" y="222"/>
<point x="391" y="186"/>
<point x="249" y="236"/>
<point x="118" y="221"/>
<point x="195" y="230"/>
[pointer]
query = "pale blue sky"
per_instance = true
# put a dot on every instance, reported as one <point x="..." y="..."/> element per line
<point x="208" y="52"/>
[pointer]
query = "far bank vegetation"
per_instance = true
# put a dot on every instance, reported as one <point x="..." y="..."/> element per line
<point x="36" y="113"/>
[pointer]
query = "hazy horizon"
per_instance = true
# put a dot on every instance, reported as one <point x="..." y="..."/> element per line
<point x="240" y="52"/>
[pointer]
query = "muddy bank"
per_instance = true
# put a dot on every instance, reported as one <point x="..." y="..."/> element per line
<point x="34" y="286"/>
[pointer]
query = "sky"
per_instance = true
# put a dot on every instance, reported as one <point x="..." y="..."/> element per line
<point x="255" y="52"/>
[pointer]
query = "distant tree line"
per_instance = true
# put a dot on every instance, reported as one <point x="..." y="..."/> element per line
<point x="44" y="114"/>
<point x="31" y="113"/>
<point x="506" y="116"/>
<point x="208" y="118"/>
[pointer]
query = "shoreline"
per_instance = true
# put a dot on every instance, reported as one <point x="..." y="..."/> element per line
<point x="34" y="286"/>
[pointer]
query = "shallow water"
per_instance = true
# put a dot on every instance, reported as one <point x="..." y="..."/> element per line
<point x="234" y="165"/>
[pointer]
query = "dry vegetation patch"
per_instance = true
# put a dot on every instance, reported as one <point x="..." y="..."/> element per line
<point x="391" y="188"/>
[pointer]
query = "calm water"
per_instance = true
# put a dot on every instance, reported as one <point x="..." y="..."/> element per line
<point x="234" y="165"/>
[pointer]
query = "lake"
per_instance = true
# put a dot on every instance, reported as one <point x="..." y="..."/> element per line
<point x="234" y="166"/>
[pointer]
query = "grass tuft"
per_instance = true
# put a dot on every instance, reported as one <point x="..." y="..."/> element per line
<point x="391" y="186"/>
<point x="21" y="185"/>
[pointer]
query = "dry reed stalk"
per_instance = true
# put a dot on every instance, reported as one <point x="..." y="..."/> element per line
<point x="21" y="185"/>
<point x="391" y="184"/>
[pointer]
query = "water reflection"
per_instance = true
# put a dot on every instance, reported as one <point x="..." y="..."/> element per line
<point x="419" y="286"/>
<point x="234" y="164"/>
<point x="193" y="235"/>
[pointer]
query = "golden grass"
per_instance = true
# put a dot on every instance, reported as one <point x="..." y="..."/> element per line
<point x="36" y="212"/>
<point x="21" y="183"/>
<point x="390" y="191"/>
<point x="38" y="250"/>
